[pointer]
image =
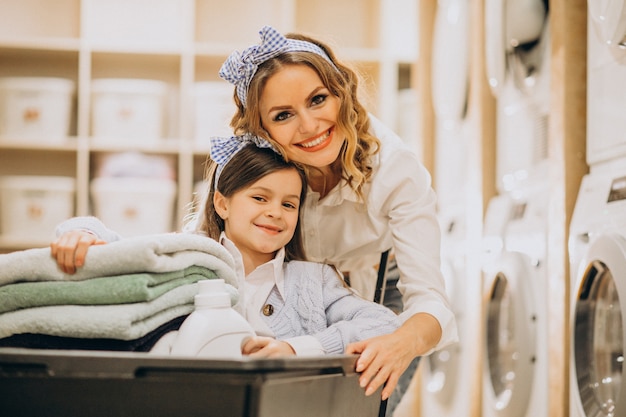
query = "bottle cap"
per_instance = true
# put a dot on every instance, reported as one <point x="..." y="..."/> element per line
<point x="212" y="293"/>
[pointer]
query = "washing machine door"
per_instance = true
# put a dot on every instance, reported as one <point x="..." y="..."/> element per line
<point x="608" y="18"/>
<point x="598" y="329"/>
<point x="510" y="334"/>
<point x="441" y="367"/>
<point x="509" y="24"/>
<point x="451" y="59"/>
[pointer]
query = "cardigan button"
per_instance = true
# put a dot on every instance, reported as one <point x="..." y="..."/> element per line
<point x="268" y="309"/>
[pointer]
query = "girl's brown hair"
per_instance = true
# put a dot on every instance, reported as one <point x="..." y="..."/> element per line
<point x="246" y="167"/>
<point x="341" y="81"/>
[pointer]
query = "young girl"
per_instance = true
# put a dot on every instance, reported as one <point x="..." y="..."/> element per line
<point x="295" y="307"/>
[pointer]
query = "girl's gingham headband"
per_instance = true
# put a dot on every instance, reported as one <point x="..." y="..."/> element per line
<point x="239" y="68"/>
<point x="223" y="150"/>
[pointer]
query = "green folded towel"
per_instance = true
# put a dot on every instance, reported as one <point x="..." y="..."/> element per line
<point x="119" y="289"/>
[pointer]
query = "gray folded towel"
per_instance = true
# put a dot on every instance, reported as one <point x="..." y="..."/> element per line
<point x="151" y="253"/>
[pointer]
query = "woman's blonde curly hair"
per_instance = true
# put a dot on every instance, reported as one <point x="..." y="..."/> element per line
<point x="360" y="145"/>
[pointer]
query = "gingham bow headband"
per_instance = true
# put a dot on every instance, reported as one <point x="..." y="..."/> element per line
<point x="223" y="149"/>
<point x="239" y="68"/>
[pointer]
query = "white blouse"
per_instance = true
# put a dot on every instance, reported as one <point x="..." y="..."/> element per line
<point x="400" y="213"/>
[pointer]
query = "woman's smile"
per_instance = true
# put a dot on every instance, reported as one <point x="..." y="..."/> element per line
<point x="320" y="142"/>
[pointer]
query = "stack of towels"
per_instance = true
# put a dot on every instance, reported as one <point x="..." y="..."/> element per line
<point x="127" y="296"/>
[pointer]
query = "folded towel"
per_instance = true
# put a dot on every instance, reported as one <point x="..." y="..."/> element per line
<point x="117" y="289"/>
<point x="151" y="253"/>
<point x="44" y="341"/>
<point x="123" y="321"/>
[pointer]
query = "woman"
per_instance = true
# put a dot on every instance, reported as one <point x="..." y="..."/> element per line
<point x="367" y="192"/>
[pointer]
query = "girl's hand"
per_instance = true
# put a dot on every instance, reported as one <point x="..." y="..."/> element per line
<point x="71" y="247"/>
<point x="384" y="359"/>
<point x="266" y="347"/>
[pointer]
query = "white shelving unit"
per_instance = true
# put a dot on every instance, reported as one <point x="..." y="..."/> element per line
<point x="180" y="42"/>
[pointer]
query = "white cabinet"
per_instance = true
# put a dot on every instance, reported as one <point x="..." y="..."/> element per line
<point x="180" y="43"/>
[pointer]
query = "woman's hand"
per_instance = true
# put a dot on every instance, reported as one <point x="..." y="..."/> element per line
<point x="71" y="247"/>
<point x="383" y="359"/>
<point x="266" y="347"/>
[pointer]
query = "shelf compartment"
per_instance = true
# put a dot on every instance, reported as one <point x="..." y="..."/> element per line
<point x="165" y="68"/>
<point x="236" y="24"/>
<point x="139" y="24"/>
<point x="41" y="19"/>
<point x="315" y="17"/>
<point x="37" y="62"/>
<point x="41" y="161"/>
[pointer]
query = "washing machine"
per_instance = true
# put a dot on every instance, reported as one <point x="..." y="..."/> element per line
<point x="445" y="388"/>
<point x="517" y="52"/>
<point x="597" y="249"/>
<point x="515" y="372"/>
<point x="450" y="67"/>
<point x="447" y="374"/>
<point x="606" y="80"/>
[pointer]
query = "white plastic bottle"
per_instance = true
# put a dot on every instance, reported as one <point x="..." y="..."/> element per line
<point x="214" y="330"/>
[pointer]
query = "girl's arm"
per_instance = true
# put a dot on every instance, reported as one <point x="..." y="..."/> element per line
<point x="350" y="318"/>
<point x="74" y="237"/>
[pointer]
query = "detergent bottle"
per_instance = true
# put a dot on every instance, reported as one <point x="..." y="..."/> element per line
<point x="214" y="330"/>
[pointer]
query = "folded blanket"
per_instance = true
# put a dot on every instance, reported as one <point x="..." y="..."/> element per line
<point x="123" y="321"/>
<point x="44" y="341"/>
<point x="117" y="289"/>
<point x="151" y="253"/>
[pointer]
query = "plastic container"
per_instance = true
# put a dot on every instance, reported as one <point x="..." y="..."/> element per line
<point x="134" y="206"/>
<point x="128" y="109"/>
<point x="214" y="107"/>
<point x="214" y="330"/>
<point x="37" y="108"/>
<point x="32" y="206"/>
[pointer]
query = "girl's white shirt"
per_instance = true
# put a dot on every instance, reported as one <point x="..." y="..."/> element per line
<point x="254" y="290"/>
<point x="399" y="212"/>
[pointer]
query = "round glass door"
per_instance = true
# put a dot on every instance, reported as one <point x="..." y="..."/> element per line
<point x="443" y="365"/>
<point x="501" y="350"/>
<point x="598" y="341"/>
<point x="511" y="332"/>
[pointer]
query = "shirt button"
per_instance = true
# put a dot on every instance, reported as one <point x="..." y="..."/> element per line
<point x="268" y="310"/>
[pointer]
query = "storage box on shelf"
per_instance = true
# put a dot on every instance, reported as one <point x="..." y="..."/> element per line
<point x="134" y="206"/>
<point x="213" y="109"/>
<point x="32" y="206"/>
<point x="35" y="108"/>
<point x="134" y="193"/>
<point x="128" y="109"/>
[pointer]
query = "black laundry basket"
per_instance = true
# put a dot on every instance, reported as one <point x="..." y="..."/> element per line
<point x="98" y="384"/>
